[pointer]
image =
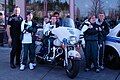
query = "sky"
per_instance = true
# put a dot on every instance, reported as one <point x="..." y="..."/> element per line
<point x="85" y="5"/>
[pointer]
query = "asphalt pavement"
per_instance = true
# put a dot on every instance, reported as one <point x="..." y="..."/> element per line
<point x="49" y="72"/>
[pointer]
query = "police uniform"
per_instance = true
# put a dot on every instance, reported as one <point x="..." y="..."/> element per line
<point x="15" y="30"/>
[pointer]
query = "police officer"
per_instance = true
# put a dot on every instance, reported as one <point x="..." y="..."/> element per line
<point x="13" y="33"/>
<point x="91" y="43"/>
<point x="103" y="31"/>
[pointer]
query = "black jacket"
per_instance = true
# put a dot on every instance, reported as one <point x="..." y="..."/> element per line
<point x="91" y="34"/>
<point x="105" y="30"/>
<point x="32" y="29"/>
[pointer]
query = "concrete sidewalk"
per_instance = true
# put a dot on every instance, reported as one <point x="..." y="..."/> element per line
<point x="48" y="72"/>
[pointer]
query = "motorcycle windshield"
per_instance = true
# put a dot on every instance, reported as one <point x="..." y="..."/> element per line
<point x="68" y="22"/>
<point x="66" y="32"/>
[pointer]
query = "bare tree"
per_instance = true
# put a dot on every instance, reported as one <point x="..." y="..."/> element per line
<point x="112" y="13"/>
<point x="10" y="5"/>
<point x="97" y="6"/>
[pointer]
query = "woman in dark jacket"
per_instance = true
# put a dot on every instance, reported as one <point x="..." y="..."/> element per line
<point x="91" y="43"/>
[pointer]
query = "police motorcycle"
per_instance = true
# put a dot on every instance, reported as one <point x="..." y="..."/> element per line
<point x="62" y="48"/>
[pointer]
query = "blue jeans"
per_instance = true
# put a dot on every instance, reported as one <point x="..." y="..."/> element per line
<point x="28" y="49"/>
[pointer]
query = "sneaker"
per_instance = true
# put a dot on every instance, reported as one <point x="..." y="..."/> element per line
<point x="22" y="67"/>
<point x="31" y="66"/>
<point x="87" y="69"/>
<point x="97" y="70"/>
<point x="34" y="64"/>
<point x="102" y="67"/>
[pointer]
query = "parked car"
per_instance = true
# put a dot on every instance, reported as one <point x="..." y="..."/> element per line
<point x="112" y="48"/>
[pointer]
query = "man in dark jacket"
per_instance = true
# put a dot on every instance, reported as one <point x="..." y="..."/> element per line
<point x="59" y="20"/>
<point x="103" y="31"/>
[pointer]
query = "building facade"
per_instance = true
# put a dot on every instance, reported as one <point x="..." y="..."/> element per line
<point x="21" y="4"/>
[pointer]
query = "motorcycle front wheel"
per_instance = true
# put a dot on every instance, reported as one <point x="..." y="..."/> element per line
<point x="72" y="69"/>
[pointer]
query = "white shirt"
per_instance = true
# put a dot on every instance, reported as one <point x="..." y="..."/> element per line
<point x="47" y="27"/>
<point x="27" y="37"/>
<point x="84" y="28"/>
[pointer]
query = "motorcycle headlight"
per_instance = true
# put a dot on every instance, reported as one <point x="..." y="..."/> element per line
<point x="73" y="40"/>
